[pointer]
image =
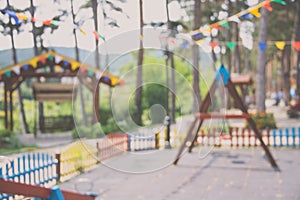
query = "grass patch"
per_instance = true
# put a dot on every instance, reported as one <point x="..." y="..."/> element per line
<point x="7" y="151"/>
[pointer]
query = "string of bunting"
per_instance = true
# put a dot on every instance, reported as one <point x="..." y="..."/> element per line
<point x="261" y="45"/>
<point x="20" y="17"/>
<point x="61" y="64"/>
<point x="245" y="14"/>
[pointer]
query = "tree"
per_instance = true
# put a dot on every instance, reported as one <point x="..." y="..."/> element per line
<point x="82" y="104"/>
<point x="196" y="80"/>
<point x="12" y="28"/>
<point x="261" y="63"/>
<point x="139" y="82"/>
<point x="297" y="38"/>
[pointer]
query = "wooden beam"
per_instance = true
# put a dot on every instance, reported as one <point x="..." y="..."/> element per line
<point x="5" y="107"/>
<point x="232" y="90"/>
<point x="14" y="188"/>
<point x="224" y="116"/>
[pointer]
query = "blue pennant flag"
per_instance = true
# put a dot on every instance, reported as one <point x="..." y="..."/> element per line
<point x="222" y="74"/>
<point x="247" y="16"/>
<point x="11" y="14"/>
<point x="262" y="46"/>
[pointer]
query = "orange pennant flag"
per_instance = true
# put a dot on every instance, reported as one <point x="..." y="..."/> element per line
<point x="267" y="5"/>
<point x="214" y="44"/>
<point x="47" y="22"/>
<point x="297" y="45"/>
<point x="216" y="26"/>
<point x="280" y="45"/>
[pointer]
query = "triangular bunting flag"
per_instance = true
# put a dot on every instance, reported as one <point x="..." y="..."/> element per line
<point x="42" y="59"/>
<point x="47" y="22"/>
<point x="262" y="46"/>
<point x="267" y="5"/>
<point x="11" y="14"/>
<point x="199" y="42"/>
<point x="280" y="1"/>
<point x="57" y="68"/>
<point x="185" y="44"/>
<point x="16" y="69"/>
<point x="57" y="59"/>
<point x="224" y="23"/>
<point x="7" y="73"/>
<point x="55" y="23"/>
<point x="214" y="44"/>
<point x="50" y="57"/>
<point x="98" y="75"/>
<point x="82" y="31"/>
<point x="25" y="67"/>
<point x="247" y="16"/>
<point x="198" y="36"/>
<point x="234" y="18"/>
<point x="280" y="45"/>
<point x="231" y="45"/>
<point x="216" y="26"/>
<point x="296" y="45"/>
<point x="22" y="16"/>
<point x="91" y="72"/>
<point x="255" y="12"/>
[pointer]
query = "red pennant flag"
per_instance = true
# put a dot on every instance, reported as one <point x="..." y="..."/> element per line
<point x="43" y="60"/>
<point x="47" y="22"/>
<point x="96" y="35"/>
<point x="297" y="45"/>
<point x="267" y="5"/>
<point x="216" y="26"/>
<point x="214" y="44"/>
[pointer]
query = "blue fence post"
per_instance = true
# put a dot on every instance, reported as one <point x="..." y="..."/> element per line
<point x="299" y="136"/>
<point x="274" y="137"/>
<point x="56" y="194"/>
<point x="294" y="136"/>
<point x="280" y="137"/>
<point x="24" y="168"/>
<point x="19" y="174"/>
<point x="287" y="136"/>
<point x="29" y="168"/>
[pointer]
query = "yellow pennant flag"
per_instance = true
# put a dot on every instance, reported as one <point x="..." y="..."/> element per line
<point x="199" y="42"/>
<point x="255" y="12"/>
<point x="33" y="62"/>
<point x="82" y="31"/>
<point x="280" y="45"/>
<point x="22" y="16"/>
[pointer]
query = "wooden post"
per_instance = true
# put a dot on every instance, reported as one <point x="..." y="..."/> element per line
<point x="96" y="116"/>
<point x="58" y="166"/>
<point x="5" y="107"/>
<point x="11" y="110"/>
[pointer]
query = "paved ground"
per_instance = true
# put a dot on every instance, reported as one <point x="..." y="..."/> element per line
<point x="223" y="174"/>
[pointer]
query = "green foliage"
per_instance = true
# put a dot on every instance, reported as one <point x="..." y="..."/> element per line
<point x="8" y="139"/>
<point x="89" y="132"/>
<point x="263" y="120"/>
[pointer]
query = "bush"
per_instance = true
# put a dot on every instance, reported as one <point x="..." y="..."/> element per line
<point x="8" y="139"/>
<point x="263" y="120"/>
<point x="89" y="132"/>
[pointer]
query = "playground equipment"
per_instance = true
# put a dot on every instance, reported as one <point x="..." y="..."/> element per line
<point x="51" y="65"/>
<point x="202" y="115"/>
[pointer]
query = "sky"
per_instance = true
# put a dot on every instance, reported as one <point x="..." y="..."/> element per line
<point x="63" y="36"/>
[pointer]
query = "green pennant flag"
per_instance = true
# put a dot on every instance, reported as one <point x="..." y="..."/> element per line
<point x="50" y="57"/>
<point x="280" y="1"/>
<point x="7" y="73"/>
<point x="224" y="24"/>
<point x="231" y="45"/>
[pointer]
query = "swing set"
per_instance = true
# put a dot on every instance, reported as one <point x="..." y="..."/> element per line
<point x="203" y="114"/>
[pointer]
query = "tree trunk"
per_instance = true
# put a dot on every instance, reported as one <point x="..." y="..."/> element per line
<point x="286" y="72"/>
<point x="81" y="98"/>
<point x="237" y="55"/>
<point x="171" y="57"/>
<point x="139" y="89"/>
<point x="95" y="18"/>
<point x="196" y="57"/>
<point x="20" y="99"/>
<point x="36" y="52"/>
<point x="261" y="63"/>
<point x="297" y="38"/>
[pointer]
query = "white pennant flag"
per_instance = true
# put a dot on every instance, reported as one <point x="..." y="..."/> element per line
<point x="234" y="18"/>
<point x="57" y="59"/>
<point x="16" y="69"/>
